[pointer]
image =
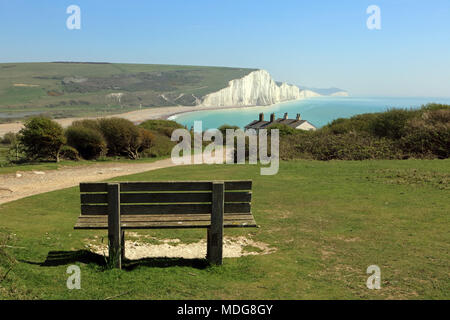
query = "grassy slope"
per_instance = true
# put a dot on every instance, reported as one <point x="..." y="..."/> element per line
<point x="328" y="220"/>
<point x="170" y="80"/>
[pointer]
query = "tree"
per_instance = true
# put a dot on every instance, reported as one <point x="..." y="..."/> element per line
<point x="122" y="137"/>
<point x="41" y="139"/>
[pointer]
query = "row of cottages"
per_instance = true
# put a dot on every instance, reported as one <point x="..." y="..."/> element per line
<point x="296" y="123"/>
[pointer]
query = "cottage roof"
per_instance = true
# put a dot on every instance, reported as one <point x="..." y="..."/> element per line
<point x="293" y="123"/>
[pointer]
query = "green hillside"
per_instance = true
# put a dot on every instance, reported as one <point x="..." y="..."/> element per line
<point x="64" y="89"/>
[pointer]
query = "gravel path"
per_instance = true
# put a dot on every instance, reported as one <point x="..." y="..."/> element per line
<point x="27" y="183"/>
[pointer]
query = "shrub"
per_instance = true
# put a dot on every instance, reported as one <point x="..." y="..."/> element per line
<point x="348" y="146"/>
<point x="357" y="123"/>
<point x="428" y="136"/>
<point x="69" y="153"/>
<point x="161" y="146"/>
<point x="87" y="141"/>
<point x="41" y="138"/>
<point x="15" y="153"/>
<point x="147" y="139"/>
<point x="283" y="129"/>
<point x="122" y="137"/>
<point x="435" y="106"/>
<point x="391" y="124"/>
<point x="87" y="123"/>
<point x="165" y="127"/>
<point x="9" y="138"/>
<point x="223" y="128"/>
<point x="396" y="133"/>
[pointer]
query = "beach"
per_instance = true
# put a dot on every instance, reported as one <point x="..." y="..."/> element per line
<point x="136" y="116"/>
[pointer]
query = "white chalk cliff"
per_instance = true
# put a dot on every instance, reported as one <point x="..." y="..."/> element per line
<point x="255" y="89"/>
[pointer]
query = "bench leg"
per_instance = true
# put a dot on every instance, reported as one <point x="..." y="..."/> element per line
<point x="207" y="245"/>
<point x="215" y="232"/>
<point x="122" y="245"/>
<point x="114" y="232"/>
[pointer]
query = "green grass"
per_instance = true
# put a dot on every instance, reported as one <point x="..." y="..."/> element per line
<point x="327" y="220"/>
<point x="49" y="90"/>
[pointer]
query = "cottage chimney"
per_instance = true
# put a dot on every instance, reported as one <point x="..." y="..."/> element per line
<point x="272" y="117"/>
<point x="261" y="116"/>
<point x="298" y="117"/>
<point x="285" y="116"/>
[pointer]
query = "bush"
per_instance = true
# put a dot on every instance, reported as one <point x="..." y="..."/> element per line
<point x="348" y="146"/>
<point x="41" y="138"/>
<point x="428" y="136"/>
<point x="283" y="129"/>
<point x="391" y="124"/>
<point x="15" y="153"/>
<point x="9" y="138"/>
<point x="161" y="146"/>
<point x="69" y="153"/>
<point x="223" y="129"/>
<point x="87" y="141"/>
<point x="122" y="137"/>
<point x="357" y="123"/>
<point x="87" y="123"/>
<point x="396" y="133"/>
<point x="147" y="139"/>
<point x="165" y="127"/>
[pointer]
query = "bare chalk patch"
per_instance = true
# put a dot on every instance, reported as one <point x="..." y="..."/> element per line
<point x="233" y="247"/>
<point x="25" y="85"/>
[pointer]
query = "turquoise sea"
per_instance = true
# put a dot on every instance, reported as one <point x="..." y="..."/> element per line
<point x="319" y="111"/>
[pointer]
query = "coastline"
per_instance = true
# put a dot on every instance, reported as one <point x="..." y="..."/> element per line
<point x="136" y="116"/>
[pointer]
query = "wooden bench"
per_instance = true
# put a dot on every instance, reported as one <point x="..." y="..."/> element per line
<point x="173" y="204"/>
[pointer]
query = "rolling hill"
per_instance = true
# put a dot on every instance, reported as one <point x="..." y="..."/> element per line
<point x="71" y="89"/>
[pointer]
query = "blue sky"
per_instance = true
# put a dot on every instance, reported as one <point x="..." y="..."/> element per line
<point x="314" y="43"/>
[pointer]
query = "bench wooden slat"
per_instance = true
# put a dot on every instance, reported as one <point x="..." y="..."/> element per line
<point x="183" y="208"/>
<point x="164" y="217"/>
<point x="183" y="186"/>
<point x="235" y="207"/>
<point x="99" y="198"/>
<point x="93" y="187"/>
<point x="181" y="197"/>
<point x="166" y="186"/>
<point x="163" y="208"/>
<point x="165" y="197"/>
<point x="91" y="198"/>
<point x="238" y="185"/>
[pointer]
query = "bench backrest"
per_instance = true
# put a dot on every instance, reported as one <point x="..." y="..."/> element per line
<point x="170" y="197"/>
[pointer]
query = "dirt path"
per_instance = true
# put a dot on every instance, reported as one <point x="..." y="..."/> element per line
<point x="27" y="183"/>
